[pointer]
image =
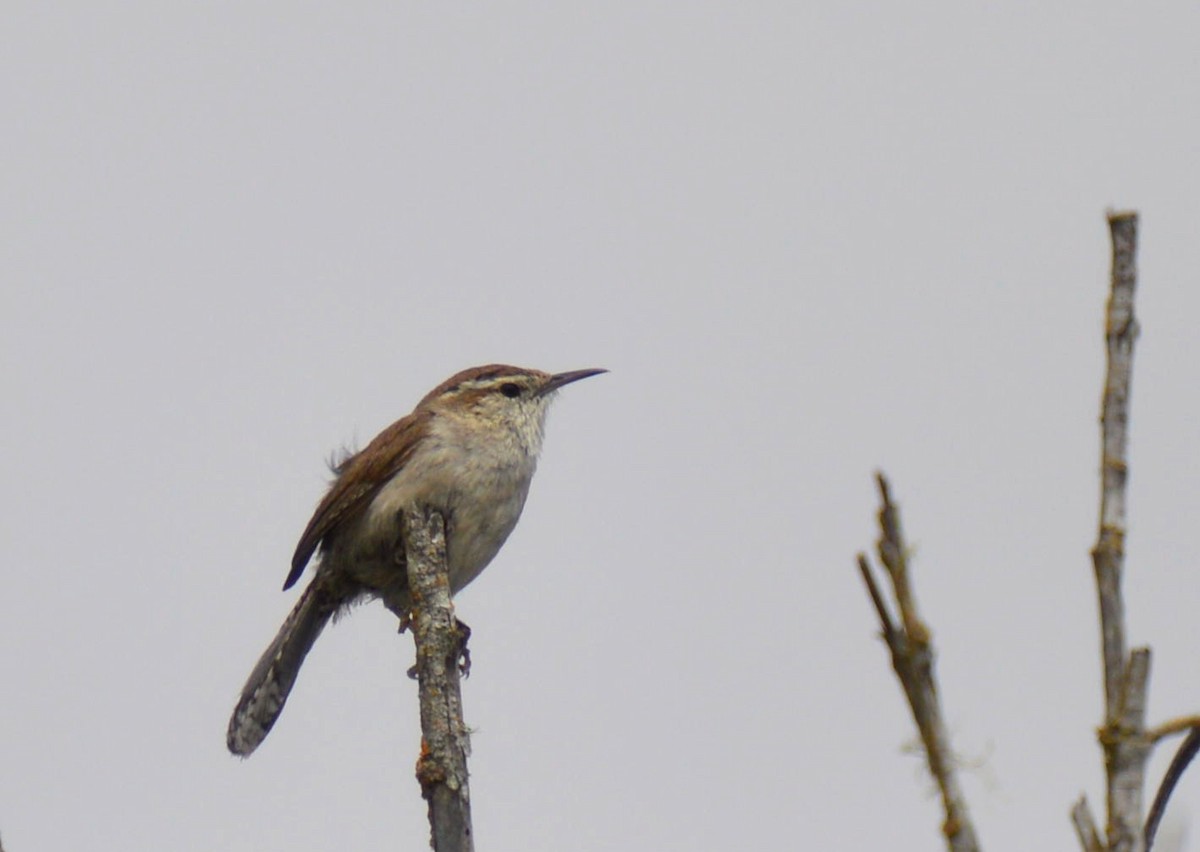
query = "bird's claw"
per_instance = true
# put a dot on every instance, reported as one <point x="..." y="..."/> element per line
<point x="464" y="653"/>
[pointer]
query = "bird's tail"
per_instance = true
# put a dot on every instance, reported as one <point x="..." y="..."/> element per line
<point x="268" y="686"/>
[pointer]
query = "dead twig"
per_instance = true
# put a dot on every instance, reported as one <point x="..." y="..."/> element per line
<point x="912" y="658"/>
<point x="1179" y="764"/>
<point x="1171" y="728"/>
<point x="1123" y="734"/>
<point x="1085" y="827"/>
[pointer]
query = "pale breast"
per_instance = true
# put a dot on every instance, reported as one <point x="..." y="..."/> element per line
<point x="479" y="486"/>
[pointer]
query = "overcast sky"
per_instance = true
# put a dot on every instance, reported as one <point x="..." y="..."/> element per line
<point x="808" y="240"/>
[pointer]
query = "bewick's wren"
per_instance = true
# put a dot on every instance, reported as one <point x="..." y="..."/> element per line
<point x="468" y="449"/>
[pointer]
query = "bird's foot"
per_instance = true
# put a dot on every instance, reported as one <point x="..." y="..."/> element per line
<point x="463" y="632"/>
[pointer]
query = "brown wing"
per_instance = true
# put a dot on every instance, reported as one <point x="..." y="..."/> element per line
<point x="359" y="480"/>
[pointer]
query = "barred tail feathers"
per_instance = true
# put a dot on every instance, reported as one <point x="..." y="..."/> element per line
<point x="267" y="688"/>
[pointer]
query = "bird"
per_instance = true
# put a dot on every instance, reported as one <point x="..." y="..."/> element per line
<point x="468" y="449"/>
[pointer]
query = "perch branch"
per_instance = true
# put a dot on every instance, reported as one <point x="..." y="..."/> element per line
<point x="1108" y="557"/>
<point x="1123" y="734"/>
<point x="912" y="658"/>
<point x="445" y="742"/>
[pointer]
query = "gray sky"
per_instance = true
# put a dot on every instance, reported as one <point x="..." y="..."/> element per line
<point x="807" y="239"/>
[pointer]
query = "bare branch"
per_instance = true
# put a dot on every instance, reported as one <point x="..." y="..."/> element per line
<point x="1126" y="751"/>
<point x="895" y="559"/>
<point x="1121" y="331"/>
<point x="1172" y="727"/>
<point x="885" y="619"/>
<point x="1085" y="827"/>
<point x="1123" y="734"/>
<point x="912" y="658"/>
<point x="445" y="742"/>
<point x="1179" y="764"/>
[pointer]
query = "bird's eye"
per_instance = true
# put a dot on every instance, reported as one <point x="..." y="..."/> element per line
<point x="510" y="390"/>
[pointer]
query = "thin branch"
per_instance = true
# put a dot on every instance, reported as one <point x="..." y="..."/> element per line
<point x="1172" y="727"/>
<point x="1126" y="752"/>
<point x="1085" y="827"/>
<point x="1121" y="331"/>
<point x="1179" y="764"/>
<point x="912" y="658"/>
<point x="895" y="559"/>
<point x="885" y="619"/>
<point x="445" y="742"/>
<point x="1125" y="675"/>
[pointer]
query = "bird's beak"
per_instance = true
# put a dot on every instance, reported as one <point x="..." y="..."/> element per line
<point x="559" y="379"/>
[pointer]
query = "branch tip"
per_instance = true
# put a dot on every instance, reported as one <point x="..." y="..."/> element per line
<point x="912" y="660"/>
<point x="1085" y="826"/>
<point x="885" y="618"/>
